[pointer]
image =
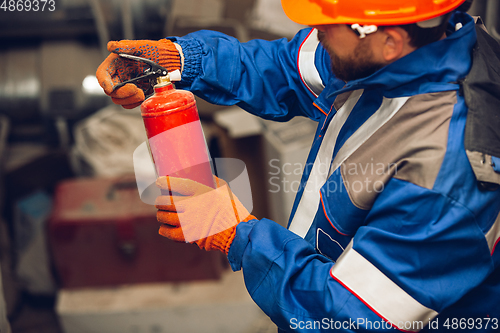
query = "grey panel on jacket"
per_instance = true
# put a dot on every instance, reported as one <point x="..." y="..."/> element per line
<point x="410" y="146"/>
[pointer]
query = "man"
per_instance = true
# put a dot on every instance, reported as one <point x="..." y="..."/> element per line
<point x="393" y="226"/>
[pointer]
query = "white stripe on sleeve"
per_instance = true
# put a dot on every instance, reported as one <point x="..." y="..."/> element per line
<point x="384" y="297"/>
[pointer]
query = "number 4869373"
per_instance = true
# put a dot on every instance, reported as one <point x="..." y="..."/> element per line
<point x="28" y="5"/>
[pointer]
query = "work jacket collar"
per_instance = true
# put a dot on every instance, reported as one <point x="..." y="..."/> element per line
<point x="434" y="67"/>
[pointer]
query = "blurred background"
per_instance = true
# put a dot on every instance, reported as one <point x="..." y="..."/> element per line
<point x="79" y="250"/>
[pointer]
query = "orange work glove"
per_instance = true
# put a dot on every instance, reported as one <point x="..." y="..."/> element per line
<point x="115" y="69"/>
<point x="196" y="213"/>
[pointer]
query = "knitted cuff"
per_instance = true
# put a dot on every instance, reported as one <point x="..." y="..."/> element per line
<point x="222" y="241"/>
<point x="192" y="50"/>
<point x="169" y="57"/>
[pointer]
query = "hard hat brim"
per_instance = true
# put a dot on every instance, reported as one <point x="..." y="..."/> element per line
<point x="310" y="12"/>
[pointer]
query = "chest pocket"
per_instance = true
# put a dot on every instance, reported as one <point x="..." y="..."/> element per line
<point x="328" y="240"/>
<point x="328" y="246"/>
<point x="337" y="219"/>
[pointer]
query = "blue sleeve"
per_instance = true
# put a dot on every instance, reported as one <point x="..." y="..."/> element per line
<point x="259" y="76"/>
<point x="434" y="257"/>
<point x="283" y="273"/>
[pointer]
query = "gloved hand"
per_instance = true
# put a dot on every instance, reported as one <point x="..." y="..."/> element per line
<point x="115" y="69"/>
<point x="196" y="213"/>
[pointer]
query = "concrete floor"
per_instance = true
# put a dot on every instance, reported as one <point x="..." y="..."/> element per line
<point x="41" y="319"/>
<point x="146" y="308"/>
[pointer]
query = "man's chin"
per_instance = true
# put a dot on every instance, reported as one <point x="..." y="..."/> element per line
<point x="348" y="73"/>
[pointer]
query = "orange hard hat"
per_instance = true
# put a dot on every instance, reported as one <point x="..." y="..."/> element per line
<point x="365" y="12"/>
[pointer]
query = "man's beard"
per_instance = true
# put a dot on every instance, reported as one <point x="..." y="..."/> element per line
<point x="357" y="66"/>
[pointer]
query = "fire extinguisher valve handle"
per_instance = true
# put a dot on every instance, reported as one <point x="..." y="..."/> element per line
<point x="152" y="73"/>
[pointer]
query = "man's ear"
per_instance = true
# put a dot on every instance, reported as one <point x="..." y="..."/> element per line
<point x="394" y="44"/>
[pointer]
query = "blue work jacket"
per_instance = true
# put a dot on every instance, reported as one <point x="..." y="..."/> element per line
<point x="389" y="229"/>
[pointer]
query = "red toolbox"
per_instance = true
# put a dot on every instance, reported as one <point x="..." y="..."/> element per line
<point x="101" y="233"/>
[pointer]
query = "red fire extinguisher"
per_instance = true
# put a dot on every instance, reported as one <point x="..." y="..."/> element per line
<point x="175" y="136"/>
